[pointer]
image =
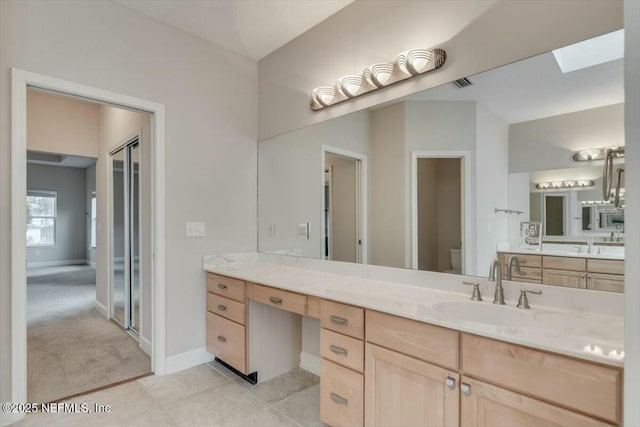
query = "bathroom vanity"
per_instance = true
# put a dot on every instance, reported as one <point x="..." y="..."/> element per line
<point x="395" y="352"/>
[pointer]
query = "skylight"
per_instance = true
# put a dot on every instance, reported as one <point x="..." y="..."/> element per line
<point x="588" y="53"/>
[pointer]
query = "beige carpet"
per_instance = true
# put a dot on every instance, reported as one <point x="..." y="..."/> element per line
<point x="71" y="348"/>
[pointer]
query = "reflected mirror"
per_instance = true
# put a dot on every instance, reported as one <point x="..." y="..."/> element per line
<point x="442" y="180"/>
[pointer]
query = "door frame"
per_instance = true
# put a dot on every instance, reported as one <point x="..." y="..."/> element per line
<point x="20" y="81"/>
<point x="465" y="181"/>
<point x="362" y="208"/>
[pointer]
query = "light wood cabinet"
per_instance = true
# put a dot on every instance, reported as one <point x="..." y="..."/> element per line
<point x="227" y="287"/>
<point x="404" y="391"/>
<point x="485" y="405"/>
<point x="564" y="263"/>
<point x="342" y="349"/>
<point x="342" y="318"/>
<point x="226" y="339"/>
<point x="341" y="395"/>
<point x="285" y="300"/>
<point x="606" y="266"/>
<point x="582" y="386"/>
<point x="570" y="279"/>
<point x="605" y="282"/>
<point x="225" y="307"/>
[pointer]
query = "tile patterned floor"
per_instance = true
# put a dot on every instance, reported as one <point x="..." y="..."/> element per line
<point x="206" y="395"/>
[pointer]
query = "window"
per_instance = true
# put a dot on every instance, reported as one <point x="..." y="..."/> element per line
<point x="93" y="220"/>
<point x="41" y="218"/>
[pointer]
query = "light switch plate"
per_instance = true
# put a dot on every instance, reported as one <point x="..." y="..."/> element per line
<point x="195" y="229"/>
<point x="304" y="230"/>
<point x="272" y="230"/>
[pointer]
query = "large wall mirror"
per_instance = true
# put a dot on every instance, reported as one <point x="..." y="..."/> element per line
<point x="444" y="179"/>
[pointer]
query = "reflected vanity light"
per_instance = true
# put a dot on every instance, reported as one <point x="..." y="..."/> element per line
<point x="408" y="64"/>
<point x="583" y="183"/>
<point x="597" y="154"/>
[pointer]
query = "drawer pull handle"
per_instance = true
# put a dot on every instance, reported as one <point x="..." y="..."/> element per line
<point x="338" y="350"/>
<point x="222" y="308"/>
<point x="338" y="320"/>
<point x="275" y="300"/>
<point x="451" y="383"/>
<point x="222" y="339"/>
<point x="466" y="389"/>
<point x="339" y="399"/>
<point x="222" y="286"/>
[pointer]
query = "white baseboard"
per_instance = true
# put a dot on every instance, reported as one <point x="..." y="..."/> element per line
<point x="57" y="263"/>
<point x="102" y="309"/>
<point x="188" y="359"/>
<point x="145" y="345"/>
<point x="310" y="362"/>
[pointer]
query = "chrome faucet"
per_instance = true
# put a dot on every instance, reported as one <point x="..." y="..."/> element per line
<point x="590" y="243"/>
<point x="498" y="296"/>
<point x="513" y="259"/>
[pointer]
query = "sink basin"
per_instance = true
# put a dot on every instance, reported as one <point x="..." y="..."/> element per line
<point x="487" y="313"/>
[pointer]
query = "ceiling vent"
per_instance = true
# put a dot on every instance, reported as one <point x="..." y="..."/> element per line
<point x="463" y="82"/>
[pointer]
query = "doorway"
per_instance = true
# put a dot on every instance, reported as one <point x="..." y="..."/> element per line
<point x="343" y="215"/>
<point x="21" y="81"/>
<point x="439" y="211"/>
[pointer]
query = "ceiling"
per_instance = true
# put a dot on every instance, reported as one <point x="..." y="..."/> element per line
<point x="535" y="88"/>
<point x="50" y="159"/>
<point x="253" y="28"/>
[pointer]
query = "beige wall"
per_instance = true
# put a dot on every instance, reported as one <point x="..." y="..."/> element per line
<point x="343" y="212"/>
<point x="116" y="125"/>
<point x="56" y="124"/>
<point x="428" y="214"/>
<point x="478" y="35"/>
<point x="210" y="100"/>
<point x="387" y="219"/>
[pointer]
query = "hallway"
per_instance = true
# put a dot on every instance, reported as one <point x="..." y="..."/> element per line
<point x="71" y="347"/>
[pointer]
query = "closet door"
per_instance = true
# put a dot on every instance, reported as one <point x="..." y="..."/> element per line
<point x="119" y="271"/>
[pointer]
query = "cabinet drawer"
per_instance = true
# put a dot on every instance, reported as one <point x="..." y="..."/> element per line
<point x="342" y="318"/>
<point x="346" y="351"/>
<point x="570" y="279"/>
<point x="226" y="340"/>
<point x="313" y="307"/>
<point x="605" y="282"/>
<point x="420" y="340"/>
<point x="606" y="266"/>
<point x="564" y="263"/>
<point x="341" y="396"/>
<point x="226" y="286"/>
<point x="285" y="300"/>
<point x="525" y="260"/>
<point x="586" y="387"/>
<point x="485" y="405"/>
<point x="528" y="273"/>
<point x="226" y="307"/>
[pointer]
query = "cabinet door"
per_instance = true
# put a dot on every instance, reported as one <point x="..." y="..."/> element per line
<point x="605" y="282"/>
<point x="571" y="279"/>
<point x="403" y="391"/>
<point x="484" y="405"/>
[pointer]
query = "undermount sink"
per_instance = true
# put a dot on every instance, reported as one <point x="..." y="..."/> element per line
<point x="483" y="312"/>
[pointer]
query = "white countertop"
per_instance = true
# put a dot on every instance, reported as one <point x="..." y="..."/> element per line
<point x="587" y="335"/>
<point x="606" y="252"/>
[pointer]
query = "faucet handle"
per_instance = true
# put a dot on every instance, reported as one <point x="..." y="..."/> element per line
<point x="475" y="296"/>
<point x="523" y="301"/>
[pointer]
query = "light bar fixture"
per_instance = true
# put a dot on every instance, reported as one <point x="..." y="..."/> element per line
<point x="408" y="64"/>
<point x="597" y="154"/>
<point x="564" y="184"/>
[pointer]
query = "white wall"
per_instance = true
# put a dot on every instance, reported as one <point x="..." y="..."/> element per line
<point x="492" y="186"/>
<point x="478" y="35"/>
<point x="290" y="180"/>
<point x="61" y="125"/>
<point x="211" y="130"/>
<point x="70" y="230"/>
<point x="632" y="228"/>
<point x="549" y="143"/>
<point x="518" y="200"/>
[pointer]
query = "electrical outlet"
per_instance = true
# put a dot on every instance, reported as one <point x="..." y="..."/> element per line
<point x="194" y="229"/>
<point x="272" y="230"/>
<point x="303" y="231"/>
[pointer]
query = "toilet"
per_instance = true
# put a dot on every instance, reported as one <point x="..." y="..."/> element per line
<point x="456" y="260"/>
